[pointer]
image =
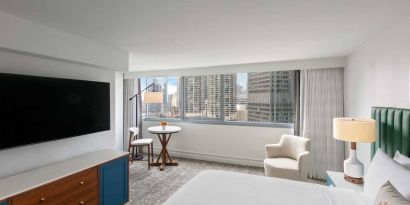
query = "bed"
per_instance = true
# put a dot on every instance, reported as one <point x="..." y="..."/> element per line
<point x="226" y="188"/>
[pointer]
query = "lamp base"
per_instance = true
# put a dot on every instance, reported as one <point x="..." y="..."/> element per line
<point x="138" y="157"/>
<point x="354" y="180"/>
<point x="353" y="169"/>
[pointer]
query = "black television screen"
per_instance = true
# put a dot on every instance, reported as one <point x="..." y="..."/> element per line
<point x="39" y="109"/>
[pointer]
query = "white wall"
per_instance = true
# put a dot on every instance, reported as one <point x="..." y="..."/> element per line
<point x="29" y="157"/>
<point x="377" y="74"/>
<point x="32" y="49"/>
<point x="230" y="144"/>
<point x="26" y="36"/>
<point x="119" y="112"/>
<point x="333" y="62"/>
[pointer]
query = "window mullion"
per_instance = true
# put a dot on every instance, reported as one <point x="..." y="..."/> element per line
<point x="274" y="97"/>
<point x="182" y="97"/>
<point x="222" y="114"/>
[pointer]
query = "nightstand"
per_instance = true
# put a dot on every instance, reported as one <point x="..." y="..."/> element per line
<point x="336" y="179"/>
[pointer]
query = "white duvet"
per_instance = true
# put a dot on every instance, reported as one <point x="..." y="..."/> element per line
<point x="226" y="188"/>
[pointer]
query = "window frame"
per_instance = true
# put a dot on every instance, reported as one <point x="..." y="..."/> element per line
<point x="217" y="121"/>
<point x="220" y="122"/>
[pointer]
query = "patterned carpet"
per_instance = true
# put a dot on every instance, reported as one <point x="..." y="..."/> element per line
<point x="154" y="187"/>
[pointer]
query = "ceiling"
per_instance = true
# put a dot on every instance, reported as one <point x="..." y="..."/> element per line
<point x="164" y="34"/>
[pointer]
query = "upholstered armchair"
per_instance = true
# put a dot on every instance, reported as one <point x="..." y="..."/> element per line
<point x="288" y="159"/>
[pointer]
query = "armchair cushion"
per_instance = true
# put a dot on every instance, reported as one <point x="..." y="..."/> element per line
<point x="282" y="163"/>
<point x="282" y="167"/>
<point x="293" y="145"/>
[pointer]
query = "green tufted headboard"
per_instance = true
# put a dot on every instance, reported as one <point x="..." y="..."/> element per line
<point x="392" y="130"/>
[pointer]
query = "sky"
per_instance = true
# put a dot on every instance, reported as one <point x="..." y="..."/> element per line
<point x="172" y="83"/>
<point x="242" y="79"/>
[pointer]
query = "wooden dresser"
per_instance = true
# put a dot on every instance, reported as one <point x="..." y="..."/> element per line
<point x="97" y="178"/>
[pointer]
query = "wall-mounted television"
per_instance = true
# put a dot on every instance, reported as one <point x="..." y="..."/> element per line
<point x="40" y="109"/>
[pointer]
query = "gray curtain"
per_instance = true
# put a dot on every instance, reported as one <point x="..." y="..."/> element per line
<point x="129" y="109"/>
<point x="138" y="111"/>
<point x="132" y="114"/>
<point x="321" y="100"/>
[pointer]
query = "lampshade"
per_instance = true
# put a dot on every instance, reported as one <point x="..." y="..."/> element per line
<point x="354" y="129"/>
<point x="153" y="97"/>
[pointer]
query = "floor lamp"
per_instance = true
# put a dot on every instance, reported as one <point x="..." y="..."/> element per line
<point x="149" y="98"/>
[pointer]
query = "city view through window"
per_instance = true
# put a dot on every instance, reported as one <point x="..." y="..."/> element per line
<point x="244" y="97"/>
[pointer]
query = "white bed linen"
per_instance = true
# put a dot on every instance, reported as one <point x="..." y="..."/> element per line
<point x="225" y="188"/>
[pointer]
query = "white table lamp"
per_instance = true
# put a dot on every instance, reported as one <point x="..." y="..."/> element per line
<point x="354" y="130"/>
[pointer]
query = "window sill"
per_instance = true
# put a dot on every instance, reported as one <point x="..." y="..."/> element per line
<point x="219" y="122"/>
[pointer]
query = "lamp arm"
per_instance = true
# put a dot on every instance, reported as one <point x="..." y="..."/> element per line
<point x="142" y="91"/>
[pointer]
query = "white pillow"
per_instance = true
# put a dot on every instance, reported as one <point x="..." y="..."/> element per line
<point x="383" y="169"/>
<point x="402" y="159"/>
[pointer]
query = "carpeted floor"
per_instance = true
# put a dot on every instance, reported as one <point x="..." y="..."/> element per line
<point x="155" y="187"/>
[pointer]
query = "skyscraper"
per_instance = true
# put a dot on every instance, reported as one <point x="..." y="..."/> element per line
<point x="195" y="88"/>
<point x="270" y="96"/>
<point x="203" y="95"/>
<point x="230" y="95"/>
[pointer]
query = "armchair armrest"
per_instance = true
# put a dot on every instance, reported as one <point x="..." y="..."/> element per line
<point x="304" y="165"/>
<point x="273" y="150"/>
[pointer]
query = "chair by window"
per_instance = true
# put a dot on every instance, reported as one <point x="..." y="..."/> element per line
<point x="134" y="142"/>
<point x="288" y="159"/>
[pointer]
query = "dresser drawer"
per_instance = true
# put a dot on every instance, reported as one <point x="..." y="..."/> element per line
<point x="59" y="191"/>
<point x="88" y="197"/>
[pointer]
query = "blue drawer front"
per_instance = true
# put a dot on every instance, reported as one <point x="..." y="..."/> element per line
<point x="114" y="182"/>
<point x="329" y="181"/>
<point x="3" y="203"/>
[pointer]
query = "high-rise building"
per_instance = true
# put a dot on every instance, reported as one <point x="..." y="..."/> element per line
<point x="270" y="96"/>
<point x="242" y="95"/>
<point x="195" y="88"/>
<point x="203" y="95"/>
<point x="230" y="95"/>
<point x="213" y="98"/>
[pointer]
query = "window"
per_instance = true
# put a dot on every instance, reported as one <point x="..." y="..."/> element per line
<point x="262" y="97"/>
<point x="202" y="99"/>
<point x="169" y="108"/>
<point x="270" y="96"/>
<point x="254" y="97"/>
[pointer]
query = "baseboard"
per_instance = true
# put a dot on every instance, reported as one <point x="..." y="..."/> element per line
<point x="213" y="157"/>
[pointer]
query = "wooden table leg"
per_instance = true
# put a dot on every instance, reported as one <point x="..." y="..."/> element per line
<point x="164" y="155"/>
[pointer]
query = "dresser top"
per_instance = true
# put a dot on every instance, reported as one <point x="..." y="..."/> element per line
<point x="16" y="184"/>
